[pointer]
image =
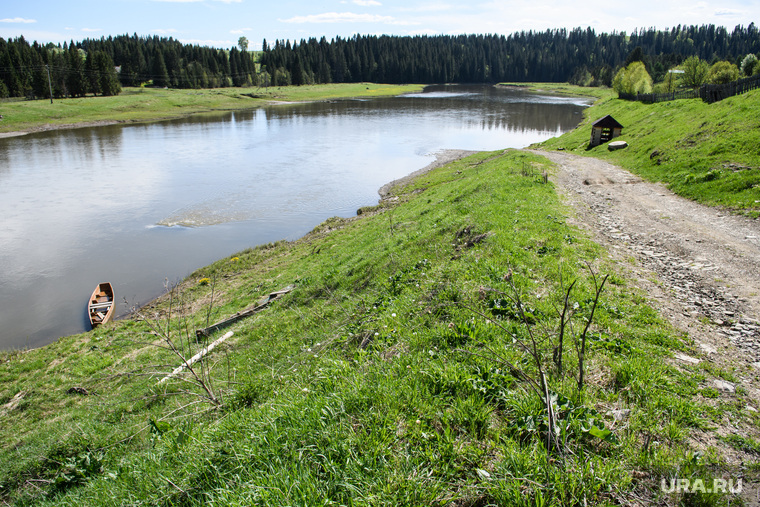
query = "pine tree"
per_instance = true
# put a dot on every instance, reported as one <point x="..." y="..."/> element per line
<point x="109" y="81"/>
<point x="159" y="71"/>
<point x="91" y="73"/>
<point x="76" y="83"/>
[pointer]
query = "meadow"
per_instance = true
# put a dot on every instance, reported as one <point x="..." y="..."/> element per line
<point x="146" y="104"/>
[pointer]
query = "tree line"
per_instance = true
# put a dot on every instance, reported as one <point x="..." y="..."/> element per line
<point x="41" y="71"/>
<point x="102" y="66"/>
<point x="580" y="56"/>
<point x="166" y="62"/>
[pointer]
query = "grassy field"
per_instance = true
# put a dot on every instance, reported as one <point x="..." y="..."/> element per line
<point x="564" y="89"/>
<point x="459" y="344"/>
<point x="154" y="104"/>
<point x="705" y="152"/>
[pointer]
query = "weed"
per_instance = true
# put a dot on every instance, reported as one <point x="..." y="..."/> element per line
<point x="744" y="443"/>
<point x="76" y="470"/>
<point x="535" y="344"/>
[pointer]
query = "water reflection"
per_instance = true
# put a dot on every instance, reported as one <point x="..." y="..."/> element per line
<point x="136" y="204"/>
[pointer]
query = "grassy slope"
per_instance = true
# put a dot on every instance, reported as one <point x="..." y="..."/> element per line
<point x="708" y="153"/>
<point x="382" y="379"/>
<point x="152" y="104"/>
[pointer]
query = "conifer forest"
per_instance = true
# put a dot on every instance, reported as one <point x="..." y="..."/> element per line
<point x="580" y="56"/>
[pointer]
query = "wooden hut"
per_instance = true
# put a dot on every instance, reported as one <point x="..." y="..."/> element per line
<point x="604" y="129"/>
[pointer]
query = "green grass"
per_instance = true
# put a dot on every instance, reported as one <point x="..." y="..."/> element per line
<point x="382" y="379"/>
<point x="153" y="104"/>
<point x="565" y="89"/>
<point x="705" y="152"/>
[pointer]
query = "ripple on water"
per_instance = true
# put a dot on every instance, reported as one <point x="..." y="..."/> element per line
<point x="246" y="208"/>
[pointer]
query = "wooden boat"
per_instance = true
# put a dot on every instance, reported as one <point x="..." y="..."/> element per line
<point x="101" y="305"/>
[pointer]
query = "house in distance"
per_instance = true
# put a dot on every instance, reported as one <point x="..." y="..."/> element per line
<point x="603" y="130"/>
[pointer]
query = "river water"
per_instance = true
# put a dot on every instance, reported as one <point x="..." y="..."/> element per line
<point x="136" y="205"/>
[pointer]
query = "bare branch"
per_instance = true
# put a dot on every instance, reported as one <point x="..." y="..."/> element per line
<point x="582" y="346"/>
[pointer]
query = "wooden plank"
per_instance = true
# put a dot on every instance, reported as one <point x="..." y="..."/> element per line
<point x="263" y="303"/>
<point x="197" y="357"/>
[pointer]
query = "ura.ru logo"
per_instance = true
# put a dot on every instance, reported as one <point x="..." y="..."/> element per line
<point x="716" y="485"/>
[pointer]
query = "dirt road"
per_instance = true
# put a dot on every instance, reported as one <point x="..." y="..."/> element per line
<point x="699" y="265"/>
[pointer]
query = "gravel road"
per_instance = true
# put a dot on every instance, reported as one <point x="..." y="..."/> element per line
<point x="699" y="265"/>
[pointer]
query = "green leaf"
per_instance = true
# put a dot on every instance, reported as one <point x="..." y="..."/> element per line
<point x="602" y="433"/>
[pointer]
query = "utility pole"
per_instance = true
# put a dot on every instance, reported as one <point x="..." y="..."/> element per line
<point x="50" y="85"/>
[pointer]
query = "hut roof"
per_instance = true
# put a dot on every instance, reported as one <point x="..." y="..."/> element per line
<point x="607" y="122"/>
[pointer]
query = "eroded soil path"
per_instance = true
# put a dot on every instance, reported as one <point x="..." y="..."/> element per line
<point x="699" y="265"/>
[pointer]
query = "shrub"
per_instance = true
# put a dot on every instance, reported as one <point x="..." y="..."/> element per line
<point x="749" y="65"/>
<point x="694" y="72"/>
<point x="633" y="79"/>
<point x="723" y="72"/>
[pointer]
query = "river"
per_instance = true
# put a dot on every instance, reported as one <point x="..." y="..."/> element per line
<point x="139" y="204"/>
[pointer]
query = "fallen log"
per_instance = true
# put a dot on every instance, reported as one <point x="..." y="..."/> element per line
<point x="263" y="303"/>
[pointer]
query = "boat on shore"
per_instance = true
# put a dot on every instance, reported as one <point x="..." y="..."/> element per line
<point x="101" y="304"/>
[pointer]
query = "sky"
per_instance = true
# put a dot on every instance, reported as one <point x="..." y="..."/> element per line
<point x="220" y="23"/>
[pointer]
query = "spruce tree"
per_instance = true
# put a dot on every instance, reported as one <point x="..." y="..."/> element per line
<point x="91" y="73"/>
<point x="109" y="81"/>
<point x="159" y="71"/>
<point x="75" y="77"/>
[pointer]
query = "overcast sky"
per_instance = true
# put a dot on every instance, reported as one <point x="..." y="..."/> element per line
<point x="220" y="23"/>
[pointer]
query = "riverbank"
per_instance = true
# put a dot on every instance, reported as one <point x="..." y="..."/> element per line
<point x="144" y="105"/>
<point x="397" y="363"/>
<point x="442" y="158"/>
<point x="57" y="126"/>
<point x="566" y="89"/>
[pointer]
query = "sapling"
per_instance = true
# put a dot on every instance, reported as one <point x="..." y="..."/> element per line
<point x="535" y="343"/>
